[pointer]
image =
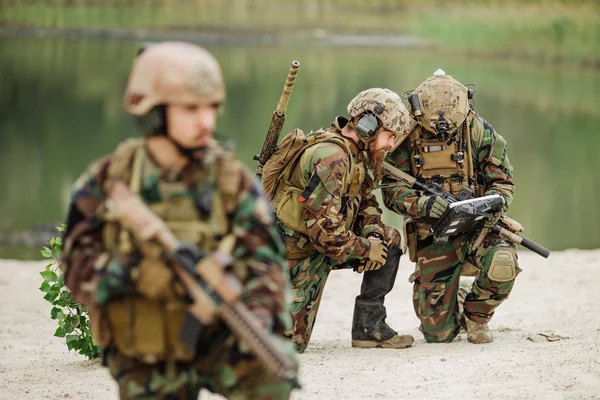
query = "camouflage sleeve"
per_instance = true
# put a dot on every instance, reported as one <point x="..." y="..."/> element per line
<point x="402" y="199"/>
<point x="91" y="274"/>
<point x="260" y="256"/>
<point x="324" y="221"/>
<point x="491" y="158"/>
<point x="369" y="214"/>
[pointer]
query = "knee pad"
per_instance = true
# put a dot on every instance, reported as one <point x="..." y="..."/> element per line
<point x="503" y="267"/>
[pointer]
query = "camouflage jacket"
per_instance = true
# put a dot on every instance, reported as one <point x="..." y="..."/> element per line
<point x="323" y="210"/>
<point x="259" y="253"/>
<point x="490" y="164"/>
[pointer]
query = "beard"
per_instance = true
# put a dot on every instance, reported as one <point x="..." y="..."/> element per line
<point x="375" y="160"/>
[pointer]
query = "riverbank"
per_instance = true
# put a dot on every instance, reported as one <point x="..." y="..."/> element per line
<point x="557" y="295"/>
<point x="553" y="32"/>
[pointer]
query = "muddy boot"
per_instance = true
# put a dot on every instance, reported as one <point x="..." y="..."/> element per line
<point x="477" y="333"/>
<point x="369" y="329"/>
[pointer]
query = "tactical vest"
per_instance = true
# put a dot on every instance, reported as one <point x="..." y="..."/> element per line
<point x="448" y="164"/>
<point x="284" y="182"/>
<point x="147" y="325"/>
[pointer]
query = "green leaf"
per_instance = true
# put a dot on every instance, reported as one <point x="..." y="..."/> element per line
<point x="45" y="287"/>
<point x="71" y="338"/>
<point x="60" y="332"/>
<point x="60" y="302"/>
<point x="58" y="241"/>
<point x="51" y="296"/>
<point x="49" y="276"/>
<point x="46" y="252"/>
<point x="52" y="241"/>
<point x="73" y="342"/>
<point x="55" y="312"/>
<point x="61" y="228"/>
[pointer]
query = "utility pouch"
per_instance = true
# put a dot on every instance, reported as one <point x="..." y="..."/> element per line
<point x="298" y="248"/>
<point x="289" y="210"/>
<point x="147" y="330"/>
<point x="155" y="280"/>
<point x="410" y="233"/>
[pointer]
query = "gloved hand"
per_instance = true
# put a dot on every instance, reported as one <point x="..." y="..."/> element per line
<point x="433" y="207"/>
<point x="377" y="256"/>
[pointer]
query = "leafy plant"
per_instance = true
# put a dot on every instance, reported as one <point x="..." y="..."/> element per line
<point x="73" y="318"/>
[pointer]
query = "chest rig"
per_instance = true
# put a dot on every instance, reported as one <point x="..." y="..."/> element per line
<point x="289" y="190"/>
<point x="447" y="162"/>
<point x="147" y="324"/>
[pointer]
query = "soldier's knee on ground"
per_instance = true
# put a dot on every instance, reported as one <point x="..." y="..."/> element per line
<point x="432" y="302"/>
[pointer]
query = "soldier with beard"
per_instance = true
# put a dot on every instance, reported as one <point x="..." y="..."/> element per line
<point x="330" y="218"/>
<point x="456" y="148"/>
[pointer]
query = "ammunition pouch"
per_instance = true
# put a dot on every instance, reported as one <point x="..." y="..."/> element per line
<point x="289" y="210"/>
<point x="298" y="247"/>
<point x="146" y="329"/>
<point x="410" y="234"/>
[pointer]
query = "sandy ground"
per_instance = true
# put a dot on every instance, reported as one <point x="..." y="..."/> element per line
<point x="559" y="295"/>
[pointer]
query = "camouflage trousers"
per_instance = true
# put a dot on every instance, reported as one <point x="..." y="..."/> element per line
<point x="244" y="379"/>
<point x="436" y="283"/>
<point x="308" y="277"/>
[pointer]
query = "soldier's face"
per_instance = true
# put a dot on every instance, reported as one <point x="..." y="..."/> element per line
<point x="385" y="139"/>
<point x="192" y="125"/>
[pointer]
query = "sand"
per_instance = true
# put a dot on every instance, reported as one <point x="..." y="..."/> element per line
<point x="559" y="296"/>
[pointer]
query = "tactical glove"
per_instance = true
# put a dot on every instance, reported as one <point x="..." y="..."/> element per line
<point x="376" y="258"/>
<point x="433" y="207"/>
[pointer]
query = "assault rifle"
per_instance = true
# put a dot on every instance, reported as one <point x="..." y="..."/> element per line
<point x="270" y="143"/>
<point x="507" y="228"/>
<point x="214" y="292"/>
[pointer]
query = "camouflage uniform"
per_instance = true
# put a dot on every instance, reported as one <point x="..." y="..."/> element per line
<point x="136" y="304"/>
<point x="438" y="268"/>
<point x="338" y="212"/>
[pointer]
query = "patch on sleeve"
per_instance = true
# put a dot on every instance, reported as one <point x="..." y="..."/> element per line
<point x="327" y="178"/>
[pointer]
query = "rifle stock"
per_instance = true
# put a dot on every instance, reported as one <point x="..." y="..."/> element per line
<point x="506" y="229"/>
<point x="214" y="292"/>
<point x="270" y="143"/>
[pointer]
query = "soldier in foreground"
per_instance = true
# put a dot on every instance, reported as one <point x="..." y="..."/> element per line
<point x="137" y="304"/>
<point x="322" y="193"/>
<point x="453" y="146"/>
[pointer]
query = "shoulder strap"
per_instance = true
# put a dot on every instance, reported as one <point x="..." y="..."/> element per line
<point x="229" y="178"/>
<point x="120" y="165"/>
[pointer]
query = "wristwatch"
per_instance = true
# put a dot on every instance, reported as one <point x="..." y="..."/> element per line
<point x="376" y="235"/>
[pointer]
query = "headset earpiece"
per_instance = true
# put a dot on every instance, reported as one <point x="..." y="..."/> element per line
<point x="367" y="126"/>
<point x="153" y="122"/>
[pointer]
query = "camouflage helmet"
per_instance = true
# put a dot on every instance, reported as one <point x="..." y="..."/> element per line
<point x="440" y="94"/>
<point x="173" y="73"/>
<point x="385" y="105"/>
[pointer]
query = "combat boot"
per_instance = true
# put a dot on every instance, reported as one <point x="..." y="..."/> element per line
<point x="477" y="333"/>
<point x="369" y="329"/>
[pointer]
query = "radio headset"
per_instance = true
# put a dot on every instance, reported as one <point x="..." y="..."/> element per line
<point x="368" y="125"/>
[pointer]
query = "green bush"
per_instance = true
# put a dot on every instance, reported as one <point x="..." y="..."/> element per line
<point x="73" y="319"/>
